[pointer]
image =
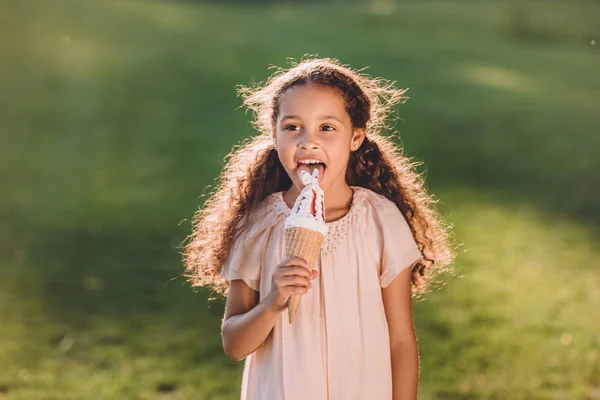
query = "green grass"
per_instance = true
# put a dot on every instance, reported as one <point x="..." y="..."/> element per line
<point x="116" y="115"/>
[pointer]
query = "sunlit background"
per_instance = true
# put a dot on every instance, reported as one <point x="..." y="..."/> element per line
<point x="115" y="117"/>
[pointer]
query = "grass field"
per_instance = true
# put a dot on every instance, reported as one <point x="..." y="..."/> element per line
<point x="116" y="115"/>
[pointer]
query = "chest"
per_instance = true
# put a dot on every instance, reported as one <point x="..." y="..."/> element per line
<point x="349" y="263"/>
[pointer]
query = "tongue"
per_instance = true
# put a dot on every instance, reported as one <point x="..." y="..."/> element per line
<point x="310" y="169"/>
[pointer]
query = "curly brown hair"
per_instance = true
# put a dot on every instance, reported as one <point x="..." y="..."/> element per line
<point x="253" y="172"/>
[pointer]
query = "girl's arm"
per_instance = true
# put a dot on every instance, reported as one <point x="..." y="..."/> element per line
<point x="248" y="322"/>
<point x="403" y="341"/>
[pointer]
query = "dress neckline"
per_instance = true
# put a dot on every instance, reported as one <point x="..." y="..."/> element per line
<point x="357" y="199"/>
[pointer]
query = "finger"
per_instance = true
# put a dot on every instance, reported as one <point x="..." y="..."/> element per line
<point x="299" y="290"/>
<point x="291" y="290"/>
<point x="315" y="274"/>
<point x="295" y="261"/>
<point x="295" y="270"/>
<point x="294" y="280"/>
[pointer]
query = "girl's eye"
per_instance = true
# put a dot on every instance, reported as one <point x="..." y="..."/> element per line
<point x="291" y="127"/>
<point x="328" y="128"/>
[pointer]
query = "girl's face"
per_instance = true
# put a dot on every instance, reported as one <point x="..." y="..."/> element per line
<point x="313" y="124"/>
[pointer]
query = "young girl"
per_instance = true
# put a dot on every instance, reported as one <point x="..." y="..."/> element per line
<point x="353" y="335"/>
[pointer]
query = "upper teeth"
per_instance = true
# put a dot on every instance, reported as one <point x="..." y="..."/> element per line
<point x="310" y="161"/>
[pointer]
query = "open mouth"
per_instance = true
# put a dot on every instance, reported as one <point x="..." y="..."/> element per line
<point x="310" y="167"/>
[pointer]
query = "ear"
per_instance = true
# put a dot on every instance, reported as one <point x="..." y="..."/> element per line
<point x="358" y="136"/>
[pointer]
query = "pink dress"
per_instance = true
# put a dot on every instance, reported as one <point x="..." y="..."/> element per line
<point x="338" y="346"/>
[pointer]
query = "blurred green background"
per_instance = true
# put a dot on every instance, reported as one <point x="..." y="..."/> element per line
<point x="115" y="116"/>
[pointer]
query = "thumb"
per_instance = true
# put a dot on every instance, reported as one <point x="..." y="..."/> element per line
<point x="315" y="274"/>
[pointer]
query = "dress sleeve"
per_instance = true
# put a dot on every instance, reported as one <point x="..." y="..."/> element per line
<point x="399" y="249"/>
<point x="246" y="255"/>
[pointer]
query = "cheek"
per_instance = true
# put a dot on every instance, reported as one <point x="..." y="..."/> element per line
<point x="286" y="154"/>
<point x="339" y="155"/>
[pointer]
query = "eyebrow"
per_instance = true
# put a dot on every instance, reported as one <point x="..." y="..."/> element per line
<point x="322" y="117"/>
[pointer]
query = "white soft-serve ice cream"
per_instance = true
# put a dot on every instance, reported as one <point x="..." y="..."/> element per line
<point x="309" y="209"/>
<point x="305" y="228"/>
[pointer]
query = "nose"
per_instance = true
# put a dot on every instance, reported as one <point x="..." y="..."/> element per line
<point x="309" y="140"/>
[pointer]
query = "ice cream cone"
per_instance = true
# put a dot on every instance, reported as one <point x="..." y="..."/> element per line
<point x="305" y="228"/>
<point x="305" y="244"/>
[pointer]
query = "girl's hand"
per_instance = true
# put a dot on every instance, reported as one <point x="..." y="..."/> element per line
<point x="291" y="277"/>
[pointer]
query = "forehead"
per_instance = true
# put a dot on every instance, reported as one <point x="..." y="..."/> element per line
<point x="308" y="100"/>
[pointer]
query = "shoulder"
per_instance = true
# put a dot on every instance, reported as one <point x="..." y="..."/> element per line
<point x="254" y="229"/>
<point x="381" y="214"/>
<point x="265" y="214"/>
<point x="377" y="204"/>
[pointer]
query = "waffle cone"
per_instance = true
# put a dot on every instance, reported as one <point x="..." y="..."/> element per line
<point x="305" y="244"/>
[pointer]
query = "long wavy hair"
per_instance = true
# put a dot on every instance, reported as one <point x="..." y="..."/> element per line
<point x="253" y="171"/>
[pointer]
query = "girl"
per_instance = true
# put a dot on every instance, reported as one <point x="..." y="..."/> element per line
<point x="353" y="335"/>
